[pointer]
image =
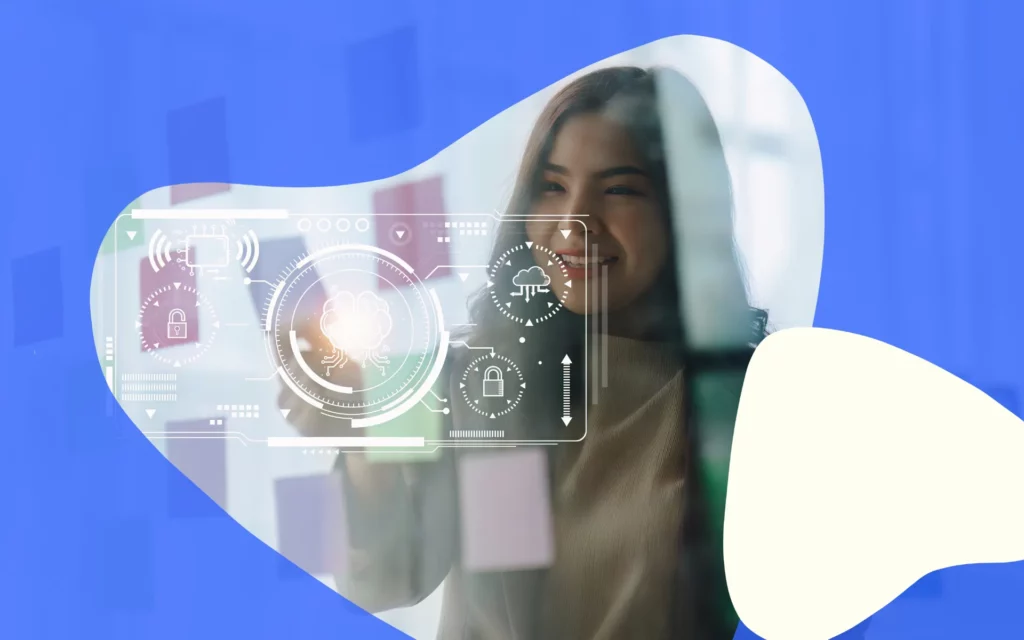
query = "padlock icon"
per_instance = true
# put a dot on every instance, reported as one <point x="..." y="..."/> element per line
<point x="177" y="325"/>
<point x="494" y="386"/>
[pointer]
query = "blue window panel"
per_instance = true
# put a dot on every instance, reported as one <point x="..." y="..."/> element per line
<point x="197" y="149"/>
<point x="384" y="85"/>
<point x="38" y="297"/>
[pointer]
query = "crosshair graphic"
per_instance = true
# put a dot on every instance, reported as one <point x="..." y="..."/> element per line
<point x="534" y="297"/>
<point x="339" y="297"/>
<point x="492" y="385"/>
<point x="169" y="327"/>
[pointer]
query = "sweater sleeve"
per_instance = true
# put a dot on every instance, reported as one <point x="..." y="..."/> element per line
<point x="403" y="542"/>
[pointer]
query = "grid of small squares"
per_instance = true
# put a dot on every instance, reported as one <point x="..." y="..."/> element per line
<point x="240" y="410"/>
<point x="464" y="229"/>
<point x="110" y="348"/>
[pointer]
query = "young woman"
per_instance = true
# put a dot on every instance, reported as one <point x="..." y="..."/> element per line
<point x="622" y="494"/>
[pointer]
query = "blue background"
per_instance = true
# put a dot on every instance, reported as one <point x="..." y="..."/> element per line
<point x="917" y="106"/>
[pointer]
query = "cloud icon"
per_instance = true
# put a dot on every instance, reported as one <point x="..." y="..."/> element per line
<point x="532" y="277"/>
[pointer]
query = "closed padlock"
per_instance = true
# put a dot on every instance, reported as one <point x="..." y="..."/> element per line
<point x="177" y="325"/>
<point x="494" y="386"/>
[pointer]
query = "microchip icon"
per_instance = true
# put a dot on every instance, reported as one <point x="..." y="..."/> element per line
<point x="213" y="247"/>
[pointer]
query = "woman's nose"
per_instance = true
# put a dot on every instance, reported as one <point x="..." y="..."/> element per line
<point x="584" y="204"/>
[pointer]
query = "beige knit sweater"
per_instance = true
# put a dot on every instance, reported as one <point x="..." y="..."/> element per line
<point x="617" y="502"/>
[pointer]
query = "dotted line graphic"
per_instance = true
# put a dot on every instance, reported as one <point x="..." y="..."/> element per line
<point x="486" y="361"/>
<point x="200" y="347"/>
<point x="505" y="306"/>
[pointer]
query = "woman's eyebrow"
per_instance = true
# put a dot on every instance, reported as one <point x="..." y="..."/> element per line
<point x="625" y="170"/>
<point x="556" y="168"/>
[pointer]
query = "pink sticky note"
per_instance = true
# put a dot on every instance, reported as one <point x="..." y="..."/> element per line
<point x="170" y="317"/>
<point x="414" y="238"/>
<point x="311" y="526"/>
<point x="506" y="511"/>
<point x="195" y="190"/>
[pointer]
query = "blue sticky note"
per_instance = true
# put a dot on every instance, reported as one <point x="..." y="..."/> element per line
<point x="197" y="150"/>
<point x="38" y="297"/>
<point x="277" y="256"/>
<point x="384" y="84"/>
<point x="119" y="563"/>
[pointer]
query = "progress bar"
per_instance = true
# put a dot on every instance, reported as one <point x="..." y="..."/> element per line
<point x="327" y="441"/>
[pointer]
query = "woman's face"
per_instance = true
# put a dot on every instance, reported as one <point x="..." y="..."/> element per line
<point x="594" y="170"/>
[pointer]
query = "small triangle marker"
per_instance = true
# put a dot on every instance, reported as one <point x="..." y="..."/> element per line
<point x="566" y="359"/>
<point x="197" y="303"/>
<point x="156" y="345"/>
<point x="529" y="323"/>
<point x="529" y="245"/>
<point x="569" y="284"/>
<point x="566" y="420"/>
<point x="463" y="276"/>
<point x="551" y="304"/>
<point x="565" y="233"/>
<point x="285" y="412"/>
<point x="400" y="233"/>
<point x="523" y="385"/>
<point x="508" y="304"/>
<point x="150" y="412"/>
<point x="177" y="285"/>
<point x="477" y="401"/>
<point x="550" y="263"/>
<point x="462" y="385"/>
<point x="177" y="364"/>
<point x="492" y="416"/>
<point x="216" y="325"/>
<point x="137" y="324"/>
<point x="508" y="400"/>
<point x="156" y="304"/>
<point x="489" y="284"/>
<point x="131" y="234"/>
<point x="508" y="263"/>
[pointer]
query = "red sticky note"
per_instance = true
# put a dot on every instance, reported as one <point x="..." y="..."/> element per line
<point x="311" y="526"/>
<point x="506" y="511"/>
<point x="195" y="190"/>
<point x="169" y="306"/>
<point x="417" y="239"/>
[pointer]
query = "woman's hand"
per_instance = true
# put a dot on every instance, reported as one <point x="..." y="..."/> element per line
<point x="304" y="417"/>
<point x="368" y="478"/>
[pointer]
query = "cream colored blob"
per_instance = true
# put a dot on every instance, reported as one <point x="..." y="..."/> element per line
<point x="858" y="468"/>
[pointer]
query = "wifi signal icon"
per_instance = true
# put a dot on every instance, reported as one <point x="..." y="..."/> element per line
<point x="159" y="250"/>
<point x="248" y="251"/>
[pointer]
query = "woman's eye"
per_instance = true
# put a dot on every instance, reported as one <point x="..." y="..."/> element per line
<point x="622" y="191"/>
<point x="548" y="186"/>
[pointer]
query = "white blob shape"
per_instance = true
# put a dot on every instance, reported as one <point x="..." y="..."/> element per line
<point x="858" y="468"/>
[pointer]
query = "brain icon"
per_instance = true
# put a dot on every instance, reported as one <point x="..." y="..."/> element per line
<point x="356" y="324"/>
<point x="532" y="277"/>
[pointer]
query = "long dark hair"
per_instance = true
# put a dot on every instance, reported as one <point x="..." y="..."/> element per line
<point x="630" y="96"/>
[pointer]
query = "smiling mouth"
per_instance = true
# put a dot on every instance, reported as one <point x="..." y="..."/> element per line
<point x="581" y="262"/>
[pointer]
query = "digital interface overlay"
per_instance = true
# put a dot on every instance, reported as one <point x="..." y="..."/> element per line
<point x="220" y="311"/>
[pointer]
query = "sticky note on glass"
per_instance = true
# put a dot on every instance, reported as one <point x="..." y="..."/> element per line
<point x="418" y="422"/>
<point x="170" y="307"/>
<point x="417" y="239"/>
<point x="311" y="525"/>
<point x="505" y="510"/>
<point x="198" y="449"/>
<point x="197" y="145"/>
<point x="277" y="255"/>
